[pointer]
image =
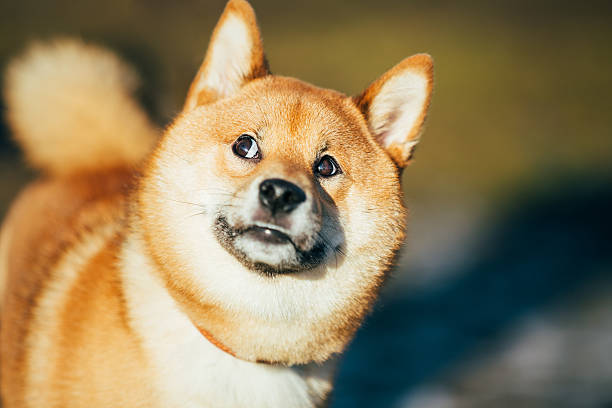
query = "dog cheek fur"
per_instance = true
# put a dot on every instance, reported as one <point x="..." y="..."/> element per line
<point x="305" y="319"/>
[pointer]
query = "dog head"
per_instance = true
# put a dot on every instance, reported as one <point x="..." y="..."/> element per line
<point x="273" y="208"/>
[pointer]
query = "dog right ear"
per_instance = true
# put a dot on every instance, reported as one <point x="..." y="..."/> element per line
<point x="235" y="56"/>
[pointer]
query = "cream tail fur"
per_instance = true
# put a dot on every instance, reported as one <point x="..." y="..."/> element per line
<point x="71" y="108"/>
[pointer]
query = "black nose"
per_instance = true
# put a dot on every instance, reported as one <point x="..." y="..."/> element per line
<point x="280" y="196"/>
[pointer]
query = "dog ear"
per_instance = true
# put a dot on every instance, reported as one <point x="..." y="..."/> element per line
<point x="234" y="57"/>
<point x="395" y="106"/>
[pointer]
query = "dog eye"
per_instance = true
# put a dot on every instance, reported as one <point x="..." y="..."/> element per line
<point x="327" y="167"/>
<point x="246" y="147"/>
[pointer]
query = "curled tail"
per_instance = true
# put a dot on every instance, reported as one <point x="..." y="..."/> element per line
<point x="70" y="106"/>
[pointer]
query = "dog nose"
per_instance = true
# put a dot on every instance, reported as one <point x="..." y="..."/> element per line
<point x="280" y="196"/>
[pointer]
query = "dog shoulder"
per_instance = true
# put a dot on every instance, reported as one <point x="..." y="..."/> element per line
<point x="53" y="229"/>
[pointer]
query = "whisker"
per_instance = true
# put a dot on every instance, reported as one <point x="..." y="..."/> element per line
<point x="180" y="157"/>
<point x="196" y="214"/>
<point x="187" y="202"/>
<point x="328" y="245"/>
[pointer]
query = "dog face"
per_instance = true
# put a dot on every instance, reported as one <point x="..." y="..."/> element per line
<point x="273" y="208"/>
<point x="282" y="166"/>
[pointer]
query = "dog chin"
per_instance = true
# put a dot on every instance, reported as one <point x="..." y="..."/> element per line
<point x="266" y="250"/>
<point x="272" y="255"/>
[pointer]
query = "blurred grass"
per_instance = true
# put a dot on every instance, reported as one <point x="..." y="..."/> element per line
<point x="522" y="88"/>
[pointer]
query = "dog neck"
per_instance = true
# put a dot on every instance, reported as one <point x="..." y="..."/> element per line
<point x="192" y="365"/>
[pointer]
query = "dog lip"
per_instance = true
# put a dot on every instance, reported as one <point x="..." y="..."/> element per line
<point x="268" y="234"/>
<point x="274" y="227"/>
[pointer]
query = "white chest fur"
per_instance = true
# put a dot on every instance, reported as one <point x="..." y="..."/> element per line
<point x="191" y="372"/>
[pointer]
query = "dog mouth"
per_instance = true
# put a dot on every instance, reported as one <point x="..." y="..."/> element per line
<point x="267" y="248"/>
<point x="269" y="235"/>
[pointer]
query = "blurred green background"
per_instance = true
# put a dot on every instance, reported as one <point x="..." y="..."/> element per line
<point x="510" y="191"/>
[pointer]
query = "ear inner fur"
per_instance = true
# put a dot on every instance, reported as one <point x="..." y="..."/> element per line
<point x="395" y="106"/>
<point x="235" y="56"/>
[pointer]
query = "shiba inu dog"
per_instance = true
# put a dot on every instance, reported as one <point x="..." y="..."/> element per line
<point x="225" y="263"/>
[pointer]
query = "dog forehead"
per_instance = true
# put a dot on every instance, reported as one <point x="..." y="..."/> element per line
<point x="303" y="116"/>
<point x="300" y="106"/>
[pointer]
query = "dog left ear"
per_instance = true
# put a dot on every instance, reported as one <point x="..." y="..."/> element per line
<point x="235" y="56"/>
<point x="395" y="106"/>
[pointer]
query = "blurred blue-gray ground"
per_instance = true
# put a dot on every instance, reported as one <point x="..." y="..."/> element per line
<point x="502" y="297"/>
<point x="524" y="321"/>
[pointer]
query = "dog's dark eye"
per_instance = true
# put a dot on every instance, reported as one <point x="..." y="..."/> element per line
<point x="327" y="167"/>
<point x="246" y="147"/>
